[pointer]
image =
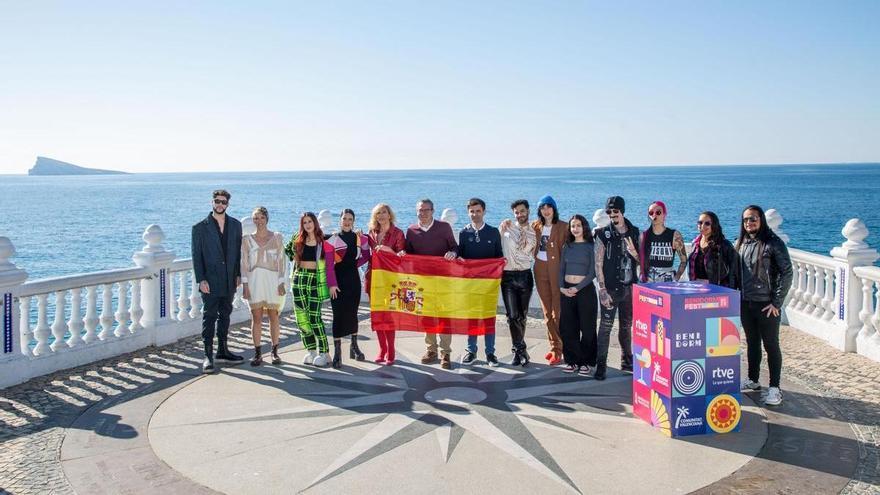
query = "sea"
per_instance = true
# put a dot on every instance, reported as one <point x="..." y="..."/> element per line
<point x="77" y="224"/>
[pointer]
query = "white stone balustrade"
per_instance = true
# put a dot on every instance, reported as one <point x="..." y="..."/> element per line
<point x="57" y="323"/>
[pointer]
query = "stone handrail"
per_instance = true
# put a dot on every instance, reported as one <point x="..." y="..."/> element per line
<point x="61" y="322"/>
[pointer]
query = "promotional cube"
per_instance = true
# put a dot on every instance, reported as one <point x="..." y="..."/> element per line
<point x="686" y="357"/>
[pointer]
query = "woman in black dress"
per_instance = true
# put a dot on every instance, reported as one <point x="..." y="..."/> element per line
<point x="348" y="250"/>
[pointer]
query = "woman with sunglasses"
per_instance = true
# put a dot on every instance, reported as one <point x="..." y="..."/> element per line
<point x="306" y="251"/>
<point x="658" y="246"/>
<point x="383" y="235"/>
<point x="577" y="323"/>
<point x="713" y="258"/>
<point x="348" y="251"/>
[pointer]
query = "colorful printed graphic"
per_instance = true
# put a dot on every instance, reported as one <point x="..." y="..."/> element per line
<point x="686" y="350"/>
<point x="723" y="413"/>
<point x="722" y="336"/>
<point x="687" y="416"/>
<point x="642" y="401"/>
<point x="642" y="365"/>
<point x="688" y="378"/>
<point x="660" y="342"/>
<point x="660" y="414"/>
<point x="722" y="375"/>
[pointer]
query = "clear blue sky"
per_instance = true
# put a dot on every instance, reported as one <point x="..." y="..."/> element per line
<point x="197" y="86"/>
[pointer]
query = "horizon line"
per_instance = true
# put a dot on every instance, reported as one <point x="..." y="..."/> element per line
<point x="440" y="168"/>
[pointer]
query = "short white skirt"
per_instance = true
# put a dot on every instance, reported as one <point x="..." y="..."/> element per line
<point x="263" y="285"/>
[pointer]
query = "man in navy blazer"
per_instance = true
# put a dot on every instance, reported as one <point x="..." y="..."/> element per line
<point x="216" y="256"/>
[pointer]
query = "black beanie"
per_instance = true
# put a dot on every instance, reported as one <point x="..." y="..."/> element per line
<point x="616" y="203"/>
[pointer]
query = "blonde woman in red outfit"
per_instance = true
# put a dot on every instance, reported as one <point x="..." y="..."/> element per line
<point x="384" y="236"/>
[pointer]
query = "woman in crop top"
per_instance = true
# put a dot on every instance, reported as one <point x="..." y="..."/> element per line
<point x="579" y="304"/>
<point x="307" y="251"/>
<point x="263" y="268"/>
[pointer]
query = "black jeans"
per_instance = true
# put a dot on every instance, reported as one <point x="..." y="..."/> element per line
<point x="577" y="325"/>
<point x="624" y="311"/>
<point x="516" y="290"/>
<point x="216" y="316"/>
<point x="761" y="329"/>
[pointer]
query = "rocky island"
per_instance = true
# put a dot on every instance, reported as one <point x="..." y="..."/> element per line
<point x="48" y="166"/>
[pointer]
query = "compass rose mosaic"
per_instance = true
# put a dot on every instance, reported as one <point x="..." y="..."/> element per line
<point x="412" y="428"/>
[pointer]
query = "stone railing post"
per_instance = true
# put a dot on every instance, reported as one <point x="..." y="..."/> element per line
<point x="451" y="217"/>
<point x="852" y="253"/>
<point x="12" y="361"/>
<point x="156" y="288"/>
<point x="774" y="221"/>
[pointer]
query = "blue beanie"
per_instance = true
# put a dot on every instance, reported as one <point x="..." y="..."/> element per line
<point x="547" y="200"/>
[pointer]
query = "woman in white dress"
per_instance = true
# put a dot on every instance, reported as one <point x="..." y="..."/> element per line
<point x="263" y="271"/>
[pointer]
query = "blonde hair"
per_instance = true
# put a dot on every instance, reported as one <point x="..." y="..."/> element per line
<point x="261" y="210"/>
<point x="373" y="224"/>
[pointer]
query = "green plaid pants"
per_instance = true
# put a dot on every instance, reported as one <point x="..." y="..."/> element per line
<point x="307" y="308"/>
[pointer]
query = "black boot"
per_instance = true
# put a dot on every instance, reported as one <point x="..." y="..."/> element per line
<point x="258" y="356"/>
<point x="337" y="354"/>
<point x="276" y="359"/>
<point x="354" y="351"/>
<point x="600" y="372"/>
<point x="208" y="364"/>
<point x="517" y="358"/>
<point x="626" y="363"/>
<point x="525" y="357"/>
<point x="223" y="354"/>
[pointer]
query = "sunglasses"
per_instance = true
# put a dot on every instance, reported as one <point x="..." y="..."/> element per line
<point x="654" y="213"/>
<point x="221" y="202"/>
<point x="706" y="223"/>
<point x="612" y="210"/>
<point x="750" y="219"/>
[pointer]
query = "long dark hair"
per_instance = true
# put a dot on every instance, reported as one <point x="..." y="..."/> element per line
<point x="301" y="236"/>
<point x="764" y="233"/>
<point x="717" y="237"/>
<point x="588" y="236"/>
<point x="555" y="214"/>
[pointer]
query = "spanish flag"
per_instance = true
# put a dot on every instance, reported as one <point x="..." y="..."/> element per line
<point x="434" y="295"/>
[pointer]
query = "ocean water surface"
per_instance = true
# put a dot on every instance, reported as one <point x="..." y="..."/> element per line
<point x="67" y="225"/>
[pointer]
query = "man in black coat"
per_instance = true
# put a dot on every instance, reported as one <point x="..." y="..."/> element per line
<point x="216" y="256"/>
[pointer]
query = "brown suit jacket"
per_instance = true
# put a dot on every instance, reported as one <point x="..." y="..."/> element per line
<point x="558" y="234"/>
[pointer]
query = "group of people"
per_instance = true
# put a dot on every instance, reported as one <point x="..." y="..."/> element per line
<point x="577" y="272"/>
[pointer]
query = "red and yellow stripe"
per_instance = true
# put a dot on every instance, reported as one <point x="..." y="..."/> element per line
<point x="434" y="295"/>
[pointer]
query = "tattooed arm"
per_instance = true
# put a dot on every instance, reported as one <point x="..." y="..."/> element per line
<point x="678" y="247"/>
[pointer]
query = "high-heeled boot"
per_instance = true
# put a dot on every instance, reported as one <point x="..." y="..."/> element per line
<point x="337" y="354"/>
<point x="258" y="356"/>
<point x="276" y="359"/>
<point x="354" y="351"/>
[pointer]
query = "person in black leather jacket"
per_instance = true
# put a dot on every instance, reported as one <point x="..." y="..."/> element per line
<point x="713" y="258"/>
<point x="764" y="280"/>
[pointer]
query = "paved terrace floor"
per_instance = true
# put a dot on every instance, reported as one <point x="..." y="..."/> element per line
<point x="148" y="422"/>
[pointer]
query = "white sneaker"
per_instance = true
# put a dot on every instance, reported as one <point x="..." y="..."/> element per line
<point x="310" y="357"/>
<point x="774" y="397"/>
<point x="750" y="385"/>
<point x="322" y="361"/>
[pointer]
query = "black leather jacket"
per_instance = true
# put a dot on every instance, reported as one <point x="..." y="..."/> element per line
<point x="765" y="270"/>
<point x="719" y="262"/>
